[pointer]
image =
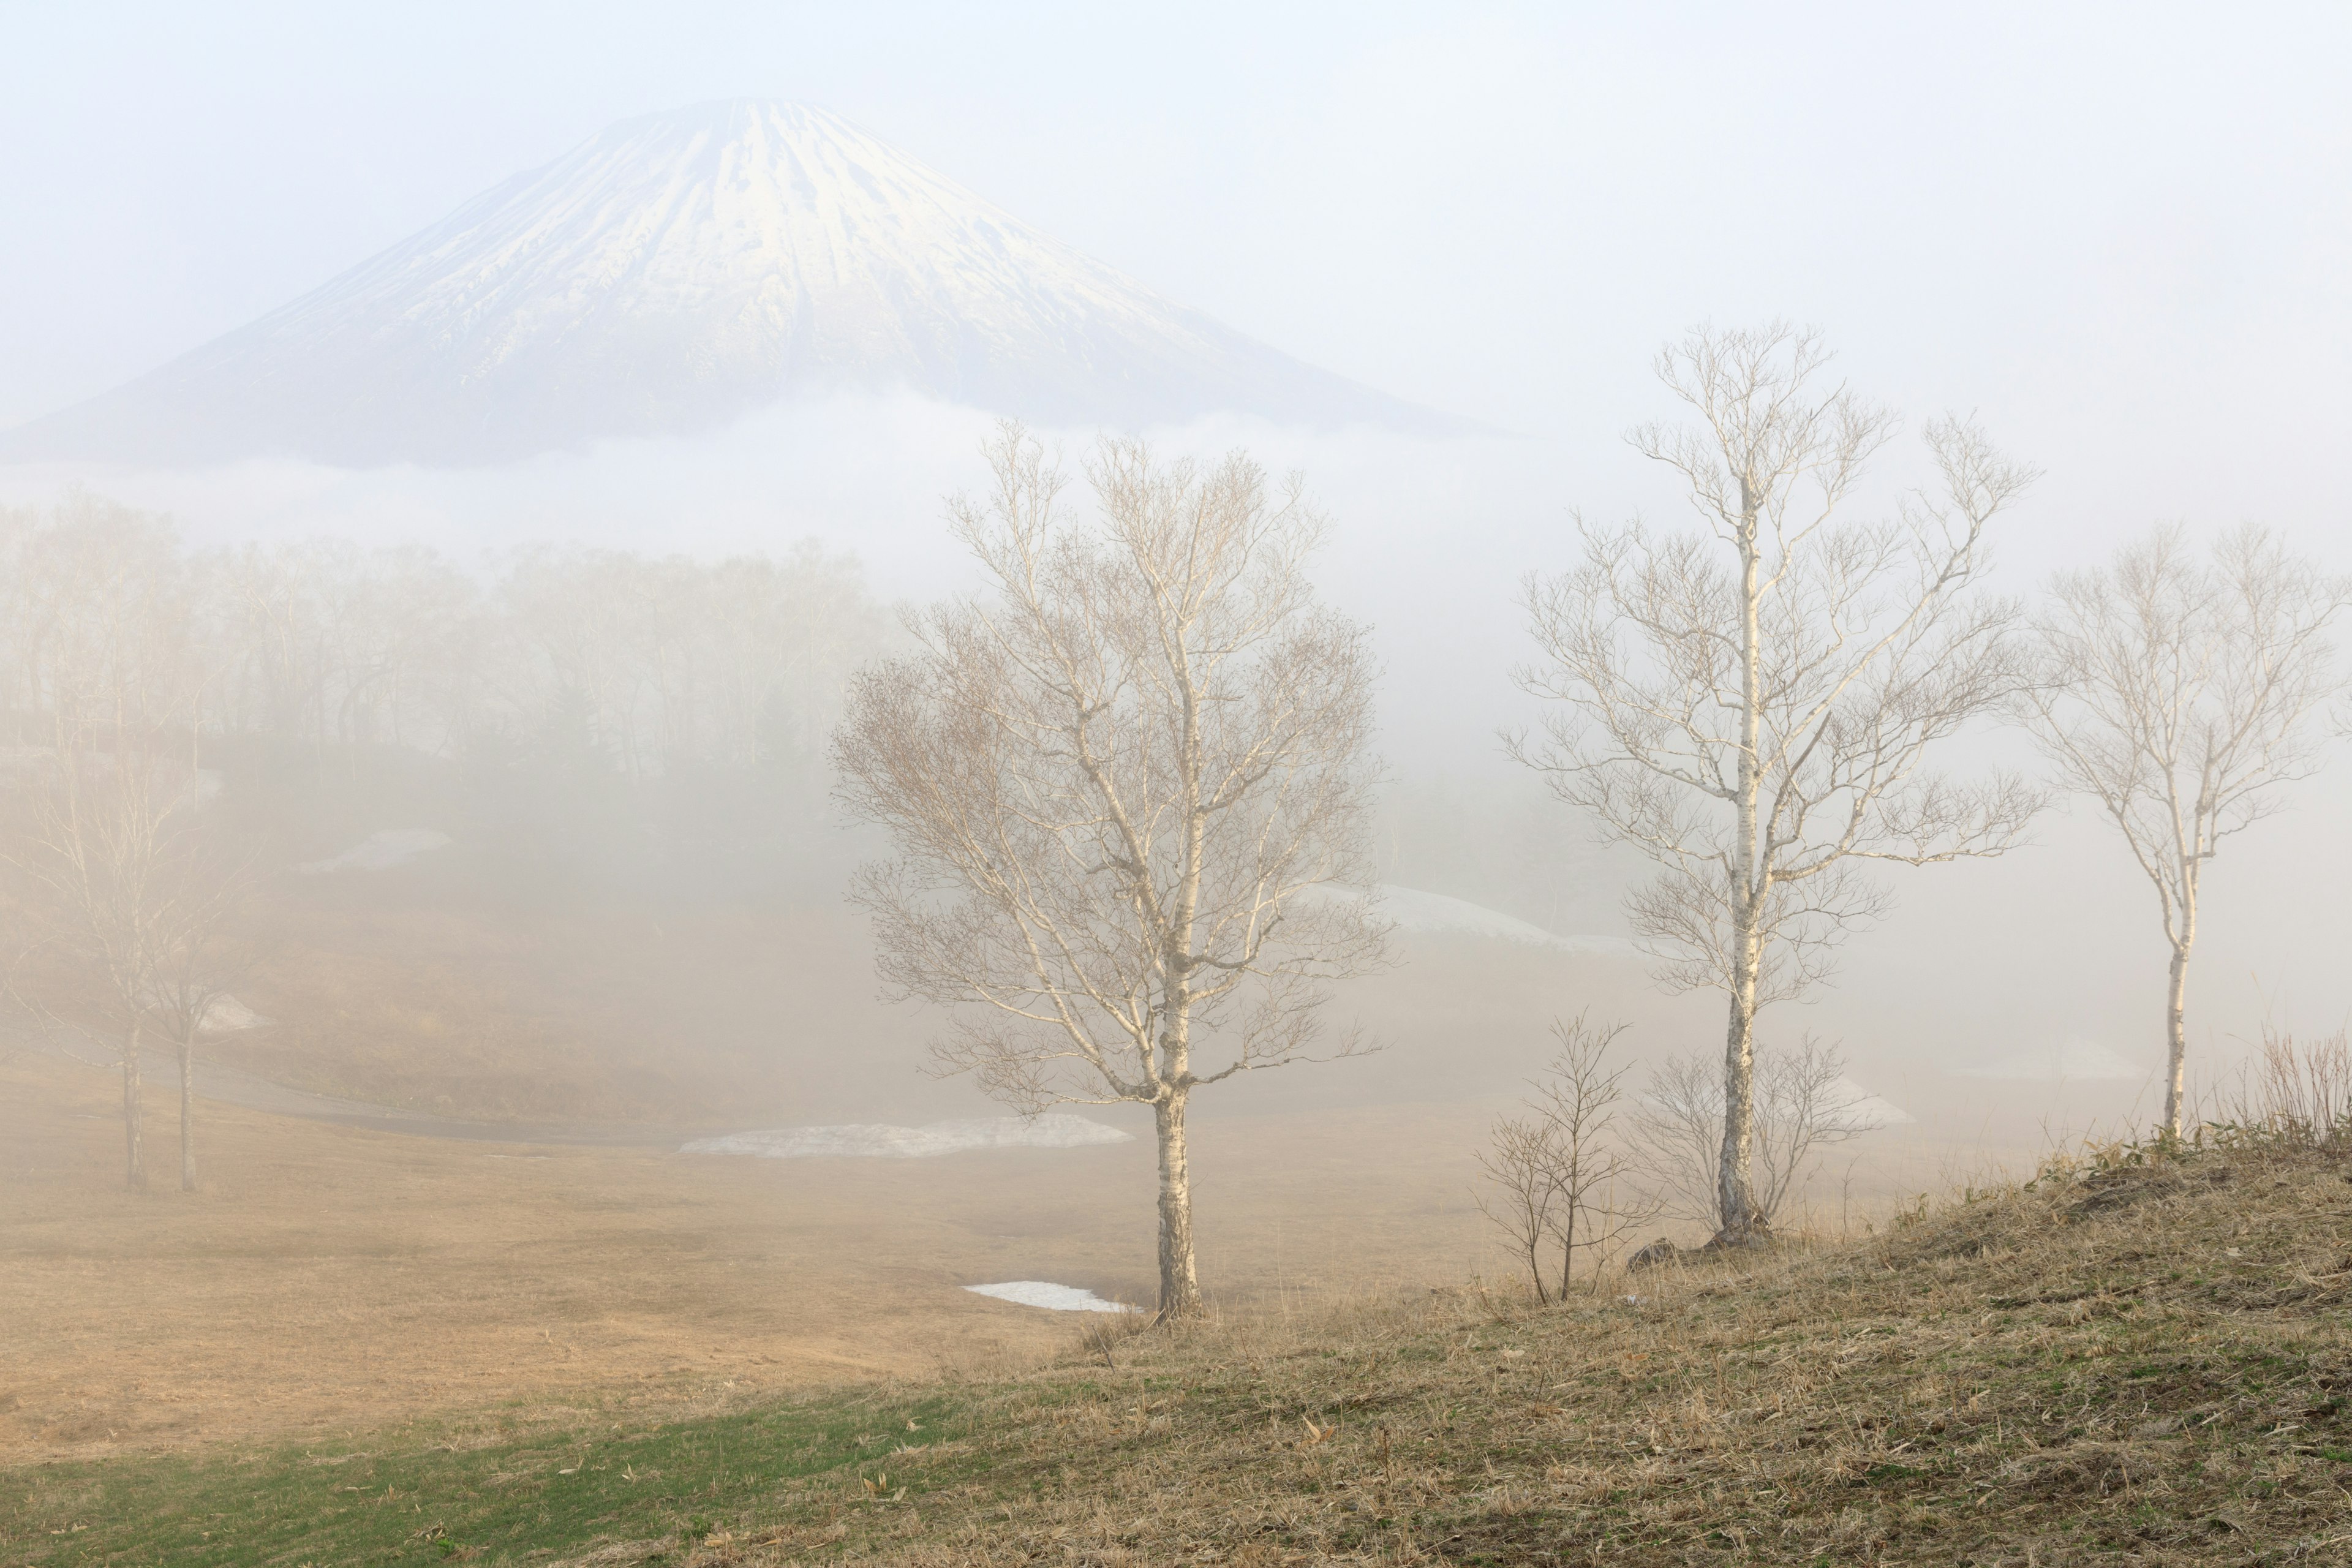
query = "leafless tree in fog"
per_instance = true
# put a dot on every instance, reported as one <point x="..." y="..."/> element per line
<point x="2179" y="694"/>
<point x="114" y="856"/>
<point x="1521" y="1190"/>
<point x="195" y="952"/>
<point x="1578" y="1096"/>
<point x="680" y="661"/>
<point x="1554" y="1171"/>
<point x="1753" y="706"/>
<point x="1108" y="785"/>
<point x="1802" y="1106"/>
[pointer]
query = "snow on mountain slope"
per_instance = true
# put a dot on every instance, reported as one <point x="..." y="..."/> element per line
<point x="673" y="273"/>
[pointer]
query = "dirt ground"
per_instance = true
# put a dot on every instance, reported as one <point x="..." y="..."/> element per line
<point x="327" y="1279"/>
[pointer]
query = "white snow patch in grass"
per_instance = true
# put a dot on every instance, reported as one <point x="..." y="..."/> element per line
<point x="1052" y="1297"/>
<point x="223" y="1015"/>
<point x="382" y="850"/>
<point x="876" y="1140"/>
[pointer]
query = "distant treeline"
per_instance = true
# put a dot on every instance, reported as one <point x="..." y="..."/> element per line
<point x="649" y="664"/>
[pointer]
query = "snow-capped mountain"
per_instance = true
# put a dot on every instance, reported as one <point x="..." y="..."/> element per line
<point x="673" y="273"/>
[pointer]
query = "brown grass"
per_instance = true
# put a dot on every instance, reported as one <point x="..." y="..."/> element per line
<point x="329" y="1280"/>
<point x="2083" y="1370"/>
<point x="2135" y="1362"/>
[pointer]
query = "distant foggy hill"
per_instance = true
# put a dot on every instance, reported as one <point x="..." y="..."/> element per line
<point x="673" y="273"/>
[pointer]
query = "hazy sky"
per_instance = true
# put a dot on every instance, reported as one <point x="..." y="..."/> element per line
<point x="2123" y="233"/>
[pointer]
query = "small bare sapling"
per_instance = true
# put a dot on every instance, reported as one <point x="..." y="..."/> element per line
<point x="1552" y="1175"/>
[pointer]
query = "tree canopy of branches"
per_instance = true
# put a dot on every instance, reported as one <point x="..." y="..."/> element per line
<point x="1113" y="787"/>
<point x="1753" y="705"/>
<point x="2179" y="694"/>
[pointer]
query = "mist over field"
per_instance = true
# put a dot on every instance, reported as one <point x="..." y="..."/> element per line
<point x="711" y="707"/>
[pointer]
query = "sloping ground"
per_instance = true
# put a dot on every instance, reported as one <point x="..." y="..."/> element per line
<point x="2142" y="1363"/>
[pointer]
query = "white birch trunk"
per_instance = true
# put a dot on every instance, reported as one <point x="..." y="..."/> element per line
<point x="1180" y="1284"/>
<point x="1736" y="1217"/>
<point x="1735" y="1201"/>
<point x="134" y="1144"/>
<point x="2176" y="1026"/>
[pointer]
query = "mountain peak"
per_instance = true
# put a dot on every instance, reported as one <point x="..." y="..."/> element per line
<point x="676" y="271"/>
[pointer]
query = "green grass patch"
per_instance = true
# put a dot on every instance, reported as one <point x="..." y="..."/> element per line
<point x="413" y="1500"/>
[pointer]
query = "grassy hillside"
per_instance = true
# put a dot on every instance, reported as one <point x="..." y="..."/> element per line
<point x="2141" y="1359"/>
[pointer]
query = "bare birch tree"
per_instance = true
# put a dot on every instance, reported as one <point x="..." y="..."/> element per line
<point x="195" y="891"/>
<point x="1106" y="784"/>
<point x="100" y="642"/>
<point x="1753" y="705"/>
<point x="137" y="884"/>
<point x="2179" y="694"/>
<point x="119" y="870"/>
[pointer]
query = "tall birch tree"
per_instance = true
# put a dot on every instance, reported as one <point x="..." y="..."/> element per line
<point x="2182" y="695"/>
<point x="1126" y="790"/>
<point x="103" y="830"/>
<point x="1753" y="704"/>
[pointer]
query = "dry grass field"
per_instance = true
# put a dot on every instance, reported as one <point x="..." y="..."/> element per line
<point x="328" y="1279"/>
<point x="420" y="1307"/>
<point x="333" y="1280"/>
<point x="2143" y="1361"/>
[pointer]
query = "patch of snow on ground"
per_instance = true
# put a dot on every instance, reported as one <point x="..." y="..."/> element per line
<point x="876" y="1140"/>
<point x="228" y="1015"/>
<point x="1052" y="1297"/>
<point x="382" y="850"/>
<point x="1874" y="1108"/>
